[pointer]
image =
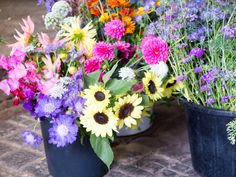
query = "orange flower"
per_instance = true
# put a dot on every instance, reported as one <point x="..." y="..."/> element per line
<point x="93" y="7"/>
<point x="118" y="3"/>
<point x="127" y="12"/>
<point x="129" y="24"/>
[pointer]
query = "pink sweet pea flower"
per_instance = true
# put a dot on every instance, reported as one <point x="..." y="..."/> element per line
<point x="4" y="62"/>
<point x="5" y="87"/>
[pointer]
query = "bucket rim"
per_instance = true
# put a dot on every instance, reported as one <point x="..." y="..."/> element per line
<point x="208" y="110"/>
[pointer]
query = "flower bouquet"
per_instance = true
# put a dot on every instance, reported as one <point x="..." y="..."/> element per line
<point x="100" y="73"/>
<point x="201" y="37"/>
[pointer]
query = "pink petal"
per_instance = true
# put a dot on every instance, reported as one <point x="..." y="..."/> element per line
<point x="5" y="87"/>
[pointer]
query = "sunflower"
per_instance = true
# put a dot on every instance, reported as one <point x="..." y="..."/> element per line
<point x="170" y="86"/>
<point x="97" y="97"/>
<point x="99" y="122"/>
<point x="84" y="38"/>
<point x="128" y="110"/>
<point x="129" y="24"/>
<point x="152" y="85"/>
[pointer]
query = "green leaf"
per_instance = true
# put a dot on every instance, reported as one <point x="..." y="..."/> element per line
<point x="145" y="100"/>
<point x="92" y="78"/>
<point x="108" y="75"/>
<point x="118" y="87"/>
<point x="102" y="148"/>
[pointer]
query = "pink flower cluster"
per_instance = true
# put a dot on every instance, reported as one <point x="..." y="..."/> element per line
<point x="21" y="77"/>
<point x="114" y="29"/>
<point x="154" y="50"/>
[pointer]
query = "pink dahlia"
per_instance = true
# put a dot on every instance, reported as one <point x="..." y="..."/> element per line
<point x="92" y="64"/>
<point x="103" y="50"/>
<point x="124" y="48"/>
<point x="115" y="29"/>
<point x="154" y="50"/>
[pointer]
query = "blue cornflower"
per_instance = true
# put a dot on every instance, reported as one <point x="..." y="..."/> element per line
<point x="63" y="131"/>
<point x="31" y="138"/>
<point x="47" y="106"/>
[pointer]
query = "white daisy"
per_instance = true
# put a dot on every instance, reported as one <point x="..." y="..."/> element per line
<point x="126" y="73"/>
<point x="160" y="69"/>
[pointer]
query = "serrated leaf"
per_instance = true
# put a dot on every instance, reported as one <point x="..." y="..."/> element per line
<point x="108" y="75"/>
<point x="118" y="87"/>
<point x="92" y="78"/>
<point x="102" y="148"/>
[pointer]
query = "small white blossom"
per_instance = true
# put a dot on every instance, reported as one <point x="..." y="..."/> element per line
<point x="160" y="69"/>
<point x="51" y="20"/>
<point x="61" y="8"/>
<point x="59" y="88"/>
<point x="126" y="73"/>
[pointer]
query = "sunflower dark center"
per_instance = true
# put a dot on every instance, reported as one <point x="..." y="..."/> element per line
<point x="100" y="96"/>
<point x="152" y="87"/>
<point x="125" y="110"/>
<point x="101" y="118"/>
<point x="170" y="84"/>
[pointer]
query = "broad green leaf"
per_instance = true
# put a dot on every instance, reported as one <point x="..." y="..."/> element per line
<point x="102" y="148"/>
<point x="145" y="100"/>
<point x="108" y="75"/>
<point x="92" y="78"/>
<point x="118" y="87"/>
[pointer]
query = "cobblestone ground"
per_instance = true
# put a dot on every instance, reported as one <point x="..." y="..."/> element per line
<point x="162" y="151"/>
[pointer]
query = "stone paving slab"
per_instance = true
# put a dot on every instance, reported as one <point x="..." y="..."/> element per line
<point x="162" y="151"/>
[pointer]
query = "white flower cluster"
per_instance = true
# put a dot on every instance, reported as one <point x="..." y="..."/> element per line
<point x="59" y="88"/>
<point x="160" y="69"/>
<point x="60" y="10"/>
<point x="126" y="73"/>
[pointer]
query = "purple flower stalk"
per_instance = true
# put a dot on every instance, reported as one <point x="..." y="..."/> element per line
<point x="63" y="131"/>
<point x="181" y="78"/>
<point x="205" y="88"/>
<point x="198" y="69"/>
<point x="197" y="52"/>
<point x="31" y="138"/>
<point x="228" y="32"/>
<point x="210" y="101"/>
<point x="225" y="99"/>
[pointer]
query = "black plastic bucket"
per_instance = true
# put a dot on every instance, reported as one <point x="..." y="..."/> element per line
<point x="212" y="153"/>
<point x="75" y="160"/>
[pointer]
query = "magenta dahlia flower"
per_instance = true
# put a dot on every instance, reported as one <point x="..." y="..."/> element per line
<point x="103" y="50"/>
<point x="115" y="29"/>
<point x="154" y="50"/>
<point x="92" y="64"/>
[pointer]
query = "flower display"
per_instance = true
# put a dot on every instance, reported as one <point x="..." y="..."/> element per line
<point x="112" y="60"/>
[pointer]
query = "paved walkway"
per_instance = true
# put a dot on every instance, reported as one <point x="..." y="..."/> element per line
<point x="162" y="151"/>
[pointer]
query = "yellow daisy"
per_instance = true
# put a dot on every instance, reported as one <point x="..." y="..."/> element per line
<point x="170" y="86"/>
<point x="101" y="123"/>
<point x="128" y="110"/>
<point x="152" y="85"/>
<point x="97" y="97"/>
<point x="84" y="38"/>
